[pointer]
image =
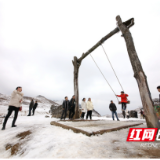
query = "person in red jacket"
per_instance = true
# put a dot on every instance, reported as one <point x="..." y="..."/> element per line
<point x="123" y="102"/>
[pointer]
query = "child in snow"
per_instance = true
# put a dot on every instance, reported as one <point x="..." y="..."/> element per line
<point x="123" y="102"/>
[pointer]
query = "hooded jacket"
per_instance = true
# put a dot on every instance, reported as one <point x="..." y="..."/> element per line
<point x="89" y="105"/>
<point x="16" y="97"/>
<point x="84" y="106"/>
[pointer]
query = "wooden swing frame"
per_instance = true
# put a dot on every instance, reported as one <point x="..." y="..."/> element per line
<point x="151" y="118"/>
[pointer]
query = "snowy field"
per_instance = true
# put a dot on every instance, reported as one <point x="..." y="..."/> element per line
<point x="48" y="141"/>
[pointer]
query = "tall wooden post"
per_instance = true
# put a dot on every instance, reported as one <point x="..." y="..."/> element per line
<point x="76" y="65"/>
<point x="151" y="118"/>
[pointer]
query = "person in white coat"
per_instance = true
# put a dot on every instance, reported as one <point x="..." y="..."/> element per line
<point x="89" y="108"/>
<point x="84" y="107"/>
<point x="14" y="105"/>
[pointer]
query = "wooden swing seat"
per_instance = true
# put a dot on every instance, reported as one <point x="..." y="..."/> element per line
<point x="128" y="102"/>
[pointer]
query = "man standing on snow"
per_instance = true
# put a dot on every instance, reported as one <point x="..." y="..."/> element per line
<point x="72" y="107"/>
<point x="34" y="107"/>
<point x="65" y="106"/>
<point x="31" y="107"/>
<point x="113" y="109"/>
<point x="14" y="105"/>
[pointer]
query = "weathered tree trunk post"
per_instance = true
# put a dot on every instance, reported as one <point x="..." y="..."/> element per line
<point x="76" y="65"/>
<point x="151" y="118"/>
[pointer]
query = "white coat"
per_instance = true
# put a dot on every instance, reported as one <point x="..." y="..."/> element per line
<point x="89" y="105"/>
<point x="16" y="97"/>
<point x="84" y="106"/>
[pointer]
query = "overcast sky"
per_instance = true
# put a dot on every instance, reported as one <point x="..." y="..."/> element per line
<point x="38" y="40"/>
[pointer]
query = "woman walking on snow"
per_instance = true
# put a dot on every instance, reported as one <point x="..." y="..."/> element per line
<point x="89" y="108"/>
<point x="14" y="105"/>
<point x="84" y="107"/>
<point x="123" y="102"/>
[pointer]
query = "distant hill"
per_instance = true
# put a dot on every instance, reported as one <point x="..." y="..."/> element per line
<point x="44" y="104"/>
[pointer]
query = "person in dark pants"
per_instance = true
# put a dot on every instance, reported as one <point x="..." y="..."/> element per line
<point x="72" y="107"/>
<point x="84" y="107"/>
<point x="113" y="109"/>
<point x="127" y="113"/>
<point x="124" y="109"/>
<point x="142" y="114"/>
<point x="34" y="107"/>
<point x="89" y="108"/>
<point x="30" y="107"/>
<point x="123" y="102"/>
<point x="65" y="108"/>
<point x="14" y="105"/>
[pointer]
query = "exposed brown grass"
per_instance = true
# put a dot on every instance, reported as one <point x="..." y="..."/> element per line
<point x="22" y="135"/>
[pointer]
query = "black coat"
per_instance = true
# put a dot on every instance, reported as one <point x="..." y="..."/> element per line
<point x="35" y="105"/>
<point x="65" y="104"/>
<point x="72" y="104"/>
<point x="112" y="107"/>
<point x="31" y="104"/>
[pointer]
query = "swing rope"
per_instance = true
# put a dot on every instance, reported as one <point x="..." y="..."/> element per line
<point x="104" y="77"/>
<point x="112" y="67"/>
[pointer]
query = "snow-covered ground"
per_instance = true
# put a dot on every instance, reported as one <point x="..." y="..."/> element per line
<point x="34" y="137"/>
<point x="48" y="141"/>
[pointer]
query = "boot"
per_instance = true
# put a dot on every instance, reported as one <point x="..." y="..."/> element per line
<point x="118" y="120"/>
<point x="14" y="125"/>
<point x="3" y="128"/>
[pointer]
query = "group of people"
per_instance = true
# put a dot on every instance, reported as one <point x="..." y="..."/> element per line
<point x="32" y="107"/>
<point x="17" y="98"/>
<point x="87" y="107"/>
<point x="69" y="106"/>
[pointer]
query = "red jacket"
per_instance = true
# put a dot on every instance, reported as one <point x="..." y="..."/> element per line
<point x="123" y="97"/>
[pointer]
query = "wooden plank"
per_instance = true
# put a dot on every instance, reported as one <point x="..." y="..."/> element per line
<point x="76" y="130"/>
<point x="115" y="129"/>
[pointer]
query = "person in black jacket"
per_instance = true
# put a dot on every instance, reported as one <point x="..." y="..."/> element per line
<point x="65" y="106"/>
<point x="72" y="107"/>
<point x="113" y="109"/>
<point x="31" y="107"/>
<point x="34" y="107"/>
<point x="158" y="88"/>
